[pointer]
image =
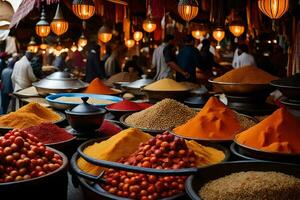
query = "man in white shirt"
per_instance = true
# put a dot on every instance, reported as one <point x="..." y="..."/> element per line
<point x="242" y="58"/>
<point x="158" y="62"/>
<point x="23" y="76"/>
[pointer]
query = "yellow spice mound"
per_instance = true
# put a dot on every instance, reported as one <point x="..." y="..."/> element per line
<point x="247" y="75"/>
<point x="166" y="85"/>
<point x="30" y="115"/>
<point x="118" y="146"/>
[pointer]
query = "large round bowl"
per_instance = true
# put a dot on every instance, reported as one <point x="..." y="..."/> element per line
<point x="59" y="82"/>
<point x="287" y="88"/>
<point x="195" y="182"/>
<point x="135" y="87"/>
<point x="54" y="103"/>
<point x="249" y="153"/>
<point x="239" y="88"/>
<point x="51" y="186"/>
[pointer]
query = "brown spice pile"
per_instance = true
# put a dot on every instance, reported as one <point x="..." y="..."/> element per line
<point x="164" y="115"/>
<point x="252" y="185"/>
<point x="245" y="122"/>
<point x="247" y="75"/>
<point x="122" y="77"/>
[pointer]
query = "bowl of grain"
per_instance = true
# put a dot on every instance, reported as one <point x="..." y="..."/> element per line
<point x="245" y="180"/>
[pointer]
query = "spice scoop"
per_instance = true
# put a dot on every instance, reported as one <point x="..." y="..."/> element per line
<point x="85" y="117"/>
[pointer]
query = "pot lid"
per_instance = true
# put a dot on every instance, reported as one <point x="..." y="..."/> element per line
<point x="59" y="75"/>
<point x="85" y="107"/>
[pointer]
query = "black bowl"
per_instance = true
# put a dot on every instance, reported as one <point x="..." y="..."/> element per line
<point x="53" y="185"/>
<point x="195" y="182"/>
<point x="249" y="153"/>
<point x="85" y="122"/>
<point x="292" y="92"/>
<point x="150" y="131"/>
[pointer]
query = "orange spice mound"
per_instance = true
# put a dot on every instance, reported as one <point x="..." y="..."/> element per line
<point x="98" y="87"/>
<point x="277" y="133"/>
<point x="215" y="121"/>
<point x="247" y="75"/>
<point x="32" y="114"/>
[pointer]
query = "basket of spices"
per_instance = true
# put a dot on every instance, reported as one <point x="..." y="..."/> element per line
<point x="276" y="138"/>
<point x="214" y="123"/>
<point x="126" y="107"/>
<point x="162" y="116"/>
<point x="245" y="180"/>
<point x="29" y="115"/>
<point x="28" y="168"/>
<point x="149" y="168"/>
<point x="166" y="88"/>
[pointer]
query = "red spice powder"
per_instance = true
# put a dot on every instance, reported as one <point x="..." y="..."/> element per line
<point x="98" y="87"/>
<point x="126" y="105"/>
<point x="108" y="128"/>
<point x="49" y="133"/>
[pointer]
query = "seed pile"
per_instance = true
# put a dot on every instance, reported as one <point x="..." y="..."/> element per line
<point x="245" y="122"/>
<point x="163" y="115"/>
<point x="252" y="185"/>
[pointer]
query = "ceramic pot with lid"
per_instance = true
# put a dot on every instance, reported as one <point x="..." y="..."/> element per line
<point x="85" y="117"/>
<point x="59" y="82"/>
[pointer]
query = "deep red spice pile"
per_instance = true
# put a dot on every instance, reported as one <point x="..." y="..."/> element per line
<point x="109" y="128"/>
<point x="49" y="133"/>
<point x="126" y="105"/>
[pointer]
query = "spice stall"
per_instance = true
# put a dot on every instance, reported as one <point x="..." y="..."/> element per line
<point x="150" y="100"/>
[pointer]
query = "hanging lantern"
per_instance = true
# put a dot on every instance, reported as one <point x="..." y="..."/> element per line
<point x="59" y="25"/>
<point x="129" y="43"/>
<point x="104" y="34"/>
<point x="44" y="46"/>
<point x="32" y="46"/>
<point x="73" y="47"/>
<point x="84" y="9"/>
<point x="188" y="9"/>
<point x="149" y="25"/>
<point x="219" y="35"/>
<point x="138" y="36"/>
<point x="42" y="28"/>
<point x="82" y="41"/>
<point x="236" y="28"/>
<point x="273" y="8"/>
<point x="197" y="34"/>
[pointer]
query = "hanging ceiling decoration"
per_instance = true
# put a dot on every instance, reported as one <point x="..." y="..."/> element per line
<point x="73" y="47"/>
<point x="149" y="24"/>
<point x="42" y="28"/>
<point x="84" y="9"/>
<point x="236" y="28"/>
<point x="273" y="8"/>
<point x="188" y="9"/>
<point x="32" y="46"/>
<point x="198" y="34"/>
<point x="59" y="25"/>
<point x="44" y="46"/>
<point x="104" y="34"/>
<point x="82" y="41"/>
<point x="219" y="35"/>
<point x="138" y="36"/>
<point x="129" y="43"/>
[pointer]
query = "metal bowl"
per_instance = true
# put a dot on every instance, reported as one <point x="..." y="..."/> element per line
<point x="250" y="153"/>
<point x="288" y="87"/>
<point x="38" y="188"/>
<point x="240" y="88"/>
<point x="59" y="82"/>
<point x="195" y="182"/>
<point x="155" y="96"/>
<point x="135" y="87"/>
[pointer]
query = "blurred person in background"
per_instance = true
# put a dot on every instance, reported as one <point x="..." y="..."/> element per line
<point x="60" y="62"/>
<point x="242" y="57"/>
<point x="6" y="84"/>
<point x="93" y="67"/>
<point x="37" y="64"/>
<point x="112" y="64"/>
<point x="207" y="58"/>
<point x="188" y="59"/>
<point x="23" y="76"/>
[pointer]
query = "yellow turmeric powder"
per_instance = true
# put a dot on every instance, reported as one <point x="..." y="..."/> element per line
<point x="32" y="114"/>
<point x="118" y="146"/>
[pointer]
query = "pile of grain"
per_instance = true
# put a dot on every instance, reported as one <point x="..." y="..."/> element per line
<point x="252" y="185"/>
<point x="247" y="75"/>
<point x="166" y="85"/>
<point x="122" y="77"/>
<point x="31" y="91"/>
<point x="163" y="115"/>
<point x="245" y="122"/>
<point x="79" y="100"/>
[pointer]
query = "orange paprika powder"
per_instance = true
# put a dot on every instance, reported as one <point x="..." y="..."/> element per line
<point x="98" y="87"/>
<point x="215" y="121"/>
<point x="277" y="133"/>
